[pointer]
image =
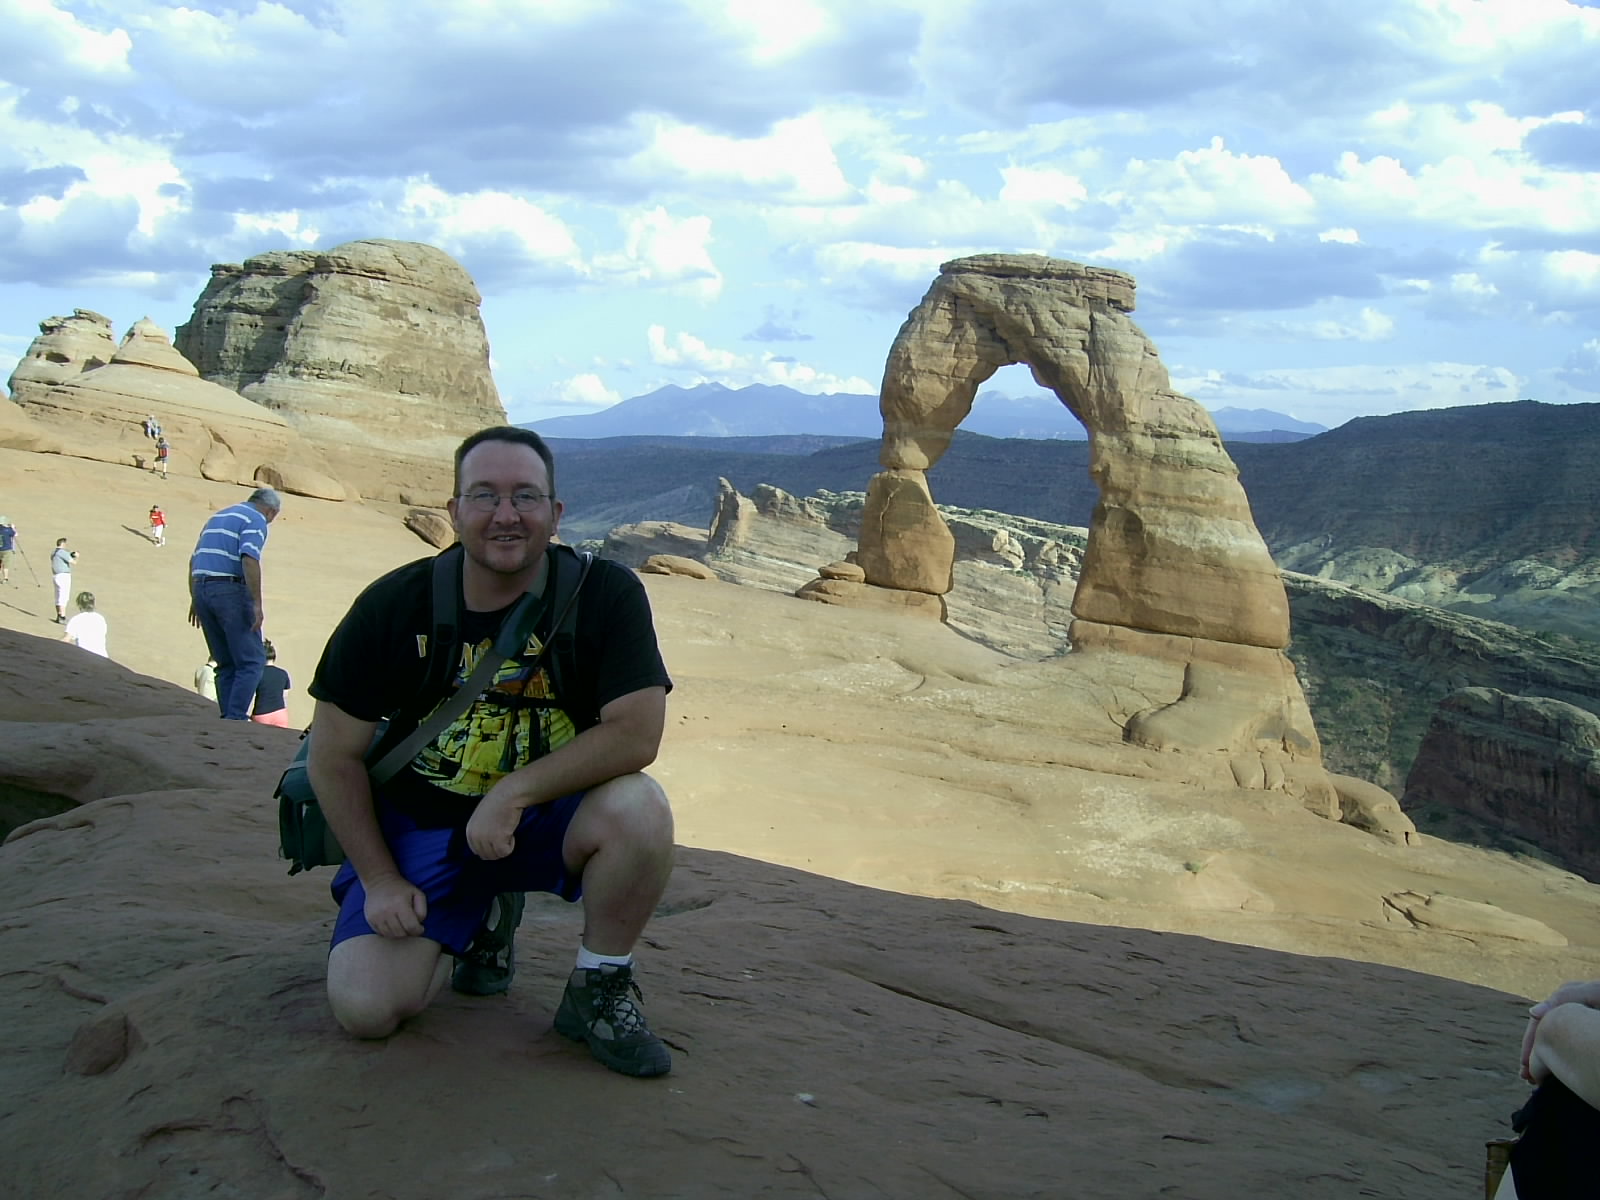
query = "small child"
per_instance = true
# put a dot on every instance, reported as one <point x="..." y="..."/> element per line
<point x="270" y="707"/>
<point x="158" y="525"/>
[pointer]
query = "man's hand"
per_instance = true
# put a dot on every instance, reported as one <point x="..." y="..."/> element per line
<point x="492" y="829"/>
<point x="395" y="907"/>
<point x="260" y="619"/>
<point x="194" y="617"/>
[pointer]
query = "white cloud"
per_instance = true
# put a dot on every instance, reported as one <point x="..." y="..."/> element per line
<point x="663" y="250"/>
<point x="585" y="391"/>
<point x="51" y="39"/>
<point x="457" y="221"/>
<point x="1213" y="185"/>
<point x="694" y="360"/>
<point x="794" y="163"/>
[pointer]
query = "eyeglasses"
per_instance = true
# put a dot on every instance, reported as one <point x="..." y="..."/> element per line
<point x="522" y="501"/>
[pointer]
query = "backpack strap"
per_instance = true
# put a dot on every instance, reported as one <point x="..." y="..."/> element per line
<point x="441" y="651"/>
<point x="564" y="634"/>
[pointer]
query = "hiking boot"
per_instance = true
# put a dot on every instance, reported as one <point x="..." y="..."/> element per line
<point x="600" y="1006"/>
<point x="486" y="966"/>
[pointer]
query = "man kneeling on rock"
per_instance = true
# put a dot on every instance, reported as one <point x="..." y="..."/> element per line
<point x="525" y="790"/>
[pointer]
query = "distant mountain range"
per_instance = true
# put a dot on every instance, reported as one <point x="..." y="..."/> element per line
<point x="711" y="410"/>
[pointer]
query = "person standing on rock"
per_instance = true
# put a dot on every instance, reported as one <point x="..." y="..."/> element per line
<point x="8" y="547"/>
<point x="162" y="449"/>
<point x="158" y="525"/>
<point x="528" y="789"/>
<point x="61" y="560"/>
<point x="225" y="596"/>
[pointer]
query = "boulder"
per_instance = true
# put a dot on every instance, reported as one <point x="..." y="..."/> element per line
<point x="631" y="545"/>
<point x="1472" y="917"/>
<point x="431" y="525"/>
<point x="1367" y="806"/>
<point x="848" y="571"/>
<point x="674" y="564"/>
<point x="866" y="595"/>
<point x="299" y="480"/>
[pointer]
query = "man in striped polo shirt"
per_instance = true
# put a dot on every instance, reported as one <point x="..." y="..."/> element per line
<point x="225" y="596"/>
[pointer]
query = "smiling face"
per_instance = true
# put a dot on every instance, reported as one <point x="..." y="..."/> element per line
<point x="505" y="543"/>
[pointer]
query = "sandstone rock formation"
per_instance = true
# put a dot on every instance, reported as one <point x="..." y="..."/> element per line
<point x="676" y="564"/>
<point x="431" y="526"/>
<point x="1375" y="666"/>
<point x="66" y="346"/>
<point x="1015" y="576"/>
<point x="1174" y="569"/>
<point x="1452" y="913"/>
<point x="1527" y="766"/>
<point x="374" y="347"/>
<point x="99" y="411"/>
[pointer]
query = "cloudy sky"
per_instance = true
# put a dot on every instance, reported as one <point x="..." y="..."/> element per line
<point x="1332" y="208"/>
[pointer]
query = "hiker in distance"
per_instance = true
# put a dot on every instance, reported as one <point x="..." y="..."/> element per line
<point x="225" y="596"/>
<point x="61" y="560"/>
<point x="535" y="784"/>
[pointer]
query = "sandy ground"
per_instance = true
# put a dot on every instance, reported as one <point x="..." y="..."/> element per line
<point x="877" y="750"/>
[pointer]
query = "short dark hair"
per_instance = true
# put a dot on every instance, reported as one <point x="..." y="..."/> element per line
<point x="515" y="435"/>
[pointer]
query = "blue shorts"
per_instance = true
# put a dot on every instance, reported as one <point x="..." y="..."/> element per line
<point x="459" y="885"/>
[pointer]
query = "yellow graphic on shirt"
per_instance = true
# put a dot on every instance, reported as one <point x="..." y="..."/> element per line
<point x="512" y="722"/>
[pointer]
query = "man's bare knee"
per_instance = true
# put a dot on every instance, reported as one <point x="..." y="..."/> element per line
<point x="633" y="805"/>
<point x="375" y="983"/>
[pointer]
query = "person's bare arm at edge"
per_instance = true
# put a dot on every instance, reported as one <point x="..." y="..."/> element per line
<point x="252" y="579"/>
<point x="337" y="768"/>
<point x="625" y="741"/>
<point x="1567" y="1045"/>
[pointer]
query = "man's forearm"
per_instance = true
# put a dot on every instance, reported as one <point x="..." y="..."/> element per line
<point x="344" y="793"/>
<point x="605" y="751"/>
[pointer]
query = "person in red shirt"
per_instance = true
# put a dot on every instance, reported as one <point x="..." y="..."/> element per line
<point x="158" y="525"/>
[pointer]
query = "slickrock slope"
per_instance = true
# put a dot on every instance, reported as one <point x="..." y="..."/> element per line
<point x="374" y="347"/>
<point x="169" y="1036"/>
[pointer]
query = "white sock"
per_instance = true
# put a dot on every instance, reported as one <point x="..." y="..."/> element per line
<point x="588" y="960"/>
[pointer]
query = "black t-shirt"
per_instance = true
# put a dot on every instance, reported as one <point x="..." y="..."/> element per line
<point x="269" y="692"/>
<point x="375" y="665"/>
